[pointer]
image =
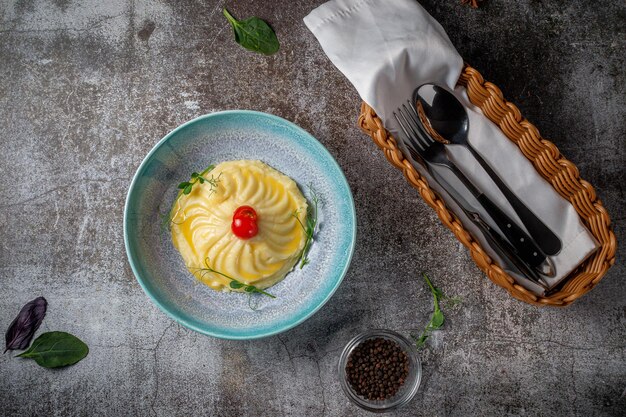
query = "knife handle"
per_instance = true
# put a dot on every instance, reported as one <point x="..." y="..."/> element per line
<point x="505" y="250"/>
<point x="524" y="246"/>
<point x="544" y="237"/>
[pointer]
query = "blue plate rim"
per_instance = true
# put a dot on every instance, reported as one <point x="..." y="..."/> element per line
<point x="218" y="334"/>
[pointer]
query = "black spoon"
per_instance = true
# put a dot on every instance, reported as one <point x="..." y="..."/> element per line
<point x="447" y="117"/>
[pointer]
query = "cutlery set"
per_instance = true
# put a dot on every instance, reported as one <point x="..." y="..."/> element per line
<point x="434" y="120"/>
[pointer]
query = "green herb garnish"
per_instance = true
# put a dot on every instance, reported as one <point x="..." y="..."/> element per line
<point x="234" y="283"/>
<point x="437" y="319"/>
<point x="254" y="34"/>
<point x="56" y="349"/>
<point x="186" y="187"/>
<point x="309" y="229"/>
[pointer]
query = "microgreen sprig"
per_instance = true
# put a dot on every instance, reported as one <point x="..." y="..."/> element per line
<point x="234" y="283"/>
<point x="186" y="188"/>
<point x="437" y="319"/>
<point x="309" y="228"/>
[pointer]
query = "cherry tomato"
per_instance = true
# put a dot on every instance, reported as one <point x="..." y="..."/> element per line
<point x="244" y="228"/>
<point x="245" y="211"/>
<point x="244" y="224"/>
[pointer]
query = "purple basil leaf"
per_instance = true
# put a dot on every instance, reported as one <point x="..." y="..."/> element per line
<point x="24" y="326"/>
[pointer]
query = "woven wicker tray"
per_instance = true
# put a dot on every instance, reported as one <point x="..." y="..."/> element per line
<point x="548" y="161"/>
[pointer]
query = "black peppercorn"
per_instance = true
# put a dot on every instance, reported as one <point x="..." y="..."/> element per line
<point x="377" y="368"/>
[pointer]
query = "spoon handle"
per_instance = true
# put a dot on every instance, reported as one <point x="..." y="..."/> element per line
<point x="549" y="243"/>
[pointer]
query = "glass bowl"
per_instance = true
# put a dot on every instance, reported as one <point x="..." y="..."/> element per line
<point x="406" y="392"/>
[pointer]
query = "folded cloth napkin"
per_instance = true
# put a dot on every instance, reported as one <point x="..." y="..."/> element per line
<point x="387" y="49"/>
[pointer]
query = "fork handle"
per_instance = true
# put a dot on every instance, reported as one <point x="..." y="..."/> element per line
<point x="545" y="238"/>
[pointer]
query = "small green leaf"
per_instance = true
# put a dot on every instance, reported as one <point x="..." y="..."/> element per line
<point x="194" y="175"/>
<point x="56" y="349"/>
<point x="182" y="185"/>
<point x="201" y="180"/>
<point x="254" y="34"/>
<point x="436" y="320"/>
<point x="250" y="288"/>
<point x="187" y="189"/>
<point x="236" y="285"/>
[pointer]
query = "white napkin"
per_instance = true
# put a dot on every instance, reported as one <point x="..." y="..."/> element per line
<point x="388" y="48"/>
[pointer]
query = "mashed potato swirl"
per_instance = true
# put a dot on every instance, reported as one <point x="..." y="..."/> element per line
<point x="201" y="225"/>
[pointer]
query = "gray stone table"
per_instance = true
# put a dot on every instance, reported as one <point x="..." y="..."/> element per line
<point x="88" y="87"/>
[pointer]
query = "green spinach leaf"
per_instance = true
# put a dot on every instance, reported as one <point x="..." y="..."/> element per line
<point x="56" y="349"/>
<point x="254" y="34"/>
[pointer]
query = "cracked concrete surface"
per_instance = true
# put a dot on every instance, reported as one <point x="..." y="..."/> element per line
<point x="88" y="87"/>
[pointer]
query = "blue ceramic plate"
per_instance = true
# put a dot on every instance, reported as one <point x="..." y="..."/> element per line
<point x="214" y="138"/>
